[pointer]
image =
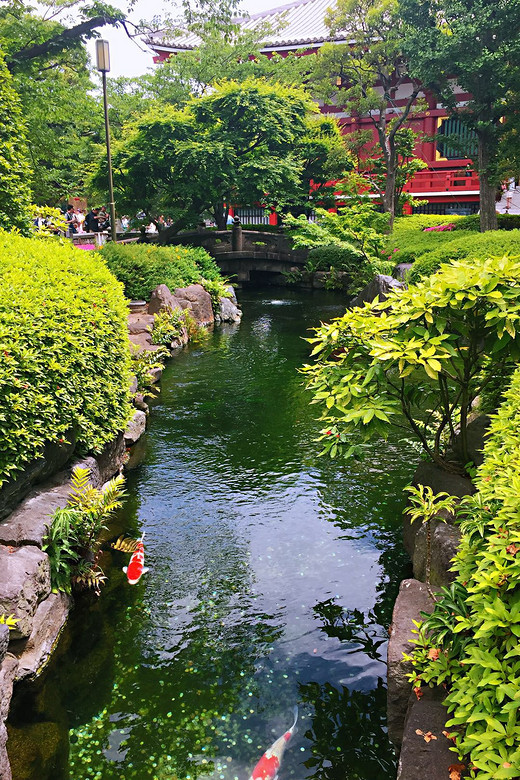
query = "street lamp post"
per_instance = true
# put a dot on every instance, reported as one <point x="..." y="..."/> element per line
<point x="103" y="65"/>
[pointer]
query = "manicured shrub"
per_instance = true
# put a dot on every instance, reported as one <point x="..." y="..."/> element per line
<point x="323" y="258"/>
<point x="461" y="245"/>
<point x="64" y="354"/>
<point x="141" y="267"/>
<point x="470" y="643"/>
<point x="505" y="222"/>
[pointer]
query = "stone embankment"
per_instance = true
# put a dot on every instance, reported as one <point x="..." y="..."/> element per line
<point x="410" y="717"/>
<point x="25" y="584"/>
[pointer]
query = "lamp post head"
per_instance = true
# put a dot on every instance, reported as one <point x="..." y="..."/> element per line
<point x="102" y="56"/>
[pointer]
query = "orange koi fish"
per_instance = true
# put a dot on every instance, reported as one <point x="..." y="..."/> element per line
<point x="268" y="766"/>
<point x="136" y="568"/>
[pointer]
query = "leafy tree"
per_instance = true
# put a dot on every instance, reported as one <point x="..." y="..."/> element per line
<point x="473" y="45"/>
<point x="365" y="74"/>
<point x="30" y="37"/>
<point x="238" y="144"/>
<point x="419" y="359"/>
<point x="14" y="170"/>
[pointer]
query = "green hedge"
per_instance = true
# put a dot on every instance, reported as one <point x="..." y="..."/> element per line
<point x="505" y="222"/>
<point x="141" y="267"/>
<point x="64" y="353"/>
<point x="470" y="644"/>
<point x="323" y="258"/>
<point x="465" y="244"/>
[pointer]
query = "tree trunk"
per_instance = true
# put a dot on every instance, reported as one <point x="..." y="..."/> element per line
<point x="488" y="212"/>
<point x="389" y="196"/>
<point x="220" y="215"/>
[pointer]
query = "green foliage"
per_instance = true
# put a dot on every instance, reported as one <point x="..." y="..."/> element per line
<point x="72" y="540"/>
<point x="237" y="144"/>
<point x="365" y="74"/>
<point x="453" y="45"/>
<point x="420" y="358"/>
<point x="142" y="267"/>
<point x="14" y="170"/>
<point x="425" y="505"/>
<point x="143" y="364"/>
<point x="470" y="245"/>
<point x="357" y="228"/>
<point x="168" y="325"/>
<point x="470" y="641"/>
<point x="64" y="355"/>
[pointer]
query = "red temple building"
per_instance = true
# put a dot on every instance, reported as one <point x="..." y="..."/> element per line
<point x="448" y="185"/>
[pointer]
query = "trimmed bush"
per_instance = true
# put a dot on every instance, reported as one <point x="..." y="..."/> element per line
<point x="470" y="643"/>
<point x="323" y="258"/>
<point x="505" y="222"/>
<point x="64" y="353"/>
<point x="465" y="245"/>
<point x="142" y="267"/>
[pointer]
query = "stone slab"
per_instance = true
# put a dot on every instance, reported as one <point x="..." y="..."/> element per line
<point x="26" y="580"/>
<point x="140" y="323"/>
<point x="28" y="524"/>
<point x="48" y="623"/>
<point x="421" y="759"/>
<point x="8" y="671"/>
<point x="140" y="341"/>
<point x="412" y="599"/>
<point x="229" y="311"/>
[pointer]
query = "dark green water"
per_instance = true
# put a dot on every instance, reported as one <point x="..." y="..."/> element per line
<point x="272" y="578"/>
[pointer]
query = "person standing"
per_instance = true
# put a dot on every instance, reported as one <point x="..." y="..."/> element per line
<point x="92" y="221"/>
<point x="72" y="223"/>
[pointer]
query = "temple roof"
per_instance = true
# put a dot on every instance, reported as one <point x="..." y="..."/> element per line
<point x="297" y="24"/>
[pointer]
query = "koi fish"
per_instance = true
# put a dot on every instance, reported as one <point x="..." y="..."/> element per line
<point x="268" y="766"/>
<point x="136" y="568"/>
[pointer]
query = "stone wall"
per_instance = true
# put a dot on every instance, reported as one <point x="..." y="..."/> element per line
<point x="411" y="716"/>
<point x="25" y="584"/>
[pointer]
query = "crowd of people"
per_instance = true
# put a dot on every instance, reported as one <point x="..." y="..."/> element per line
<point x="98" y="220"/>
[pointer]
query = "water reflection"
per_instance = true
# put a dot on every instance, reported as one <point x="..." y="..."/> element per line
<point x="272" y="574"/>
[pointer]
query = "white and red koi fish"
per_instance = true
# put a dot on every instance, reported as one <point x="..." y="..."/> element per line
<point x="268" y="766"/>
<point x="136" y="568"/>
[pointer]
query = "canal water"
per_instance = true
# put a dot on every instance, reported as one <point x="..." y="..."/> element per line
<point x="272" y="578"/>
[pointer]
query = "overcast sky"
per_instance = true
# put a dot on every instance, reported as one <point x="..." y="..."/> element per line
<point x="129" y="58"/>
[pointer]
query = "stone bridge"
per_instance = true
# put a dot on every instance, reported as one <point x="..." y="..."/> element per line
<point x="247" y="255"/>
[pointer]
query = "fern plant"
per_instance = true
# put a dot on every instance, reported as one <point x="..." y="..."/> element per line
<point x="9" y="620"/>
<point x="73" y="537"/>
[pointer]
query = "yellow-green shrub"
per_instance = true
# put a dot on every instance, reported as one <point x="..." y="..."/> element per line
<point x="475" y="625"/>
<point x="64" y="354"/>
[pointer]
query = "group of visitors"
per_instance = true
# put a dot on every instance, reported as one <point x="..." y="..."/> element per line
<point x="95" y="221"/>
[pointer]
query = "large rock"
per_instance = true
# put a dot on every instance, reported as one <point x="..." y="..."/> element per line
<point x="379" y="288"/>
<point x="135" y="428"/>
<point x="4" y="642"/>
<point x="140" y="323"/>
<point x="111" y="460"/>
<point x="26" y="580"/>
<point x="440" y="481"/>
<point x="7" y="677"/>
<point x="140" y="341"/>
<point x="445" y="539"/>
<point x="162" y="299"/>
<point x="228" y="311"/>
<point x="401" y="271"/>
<point x="476" y="436"/>
<point x="53" y="458"/>
<point x="198" y="301"/>
<point x="413" y="599"/>
<point x="5" y="768"/>
<point x="48" y="623"/>
<point x="425" y="752"/>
